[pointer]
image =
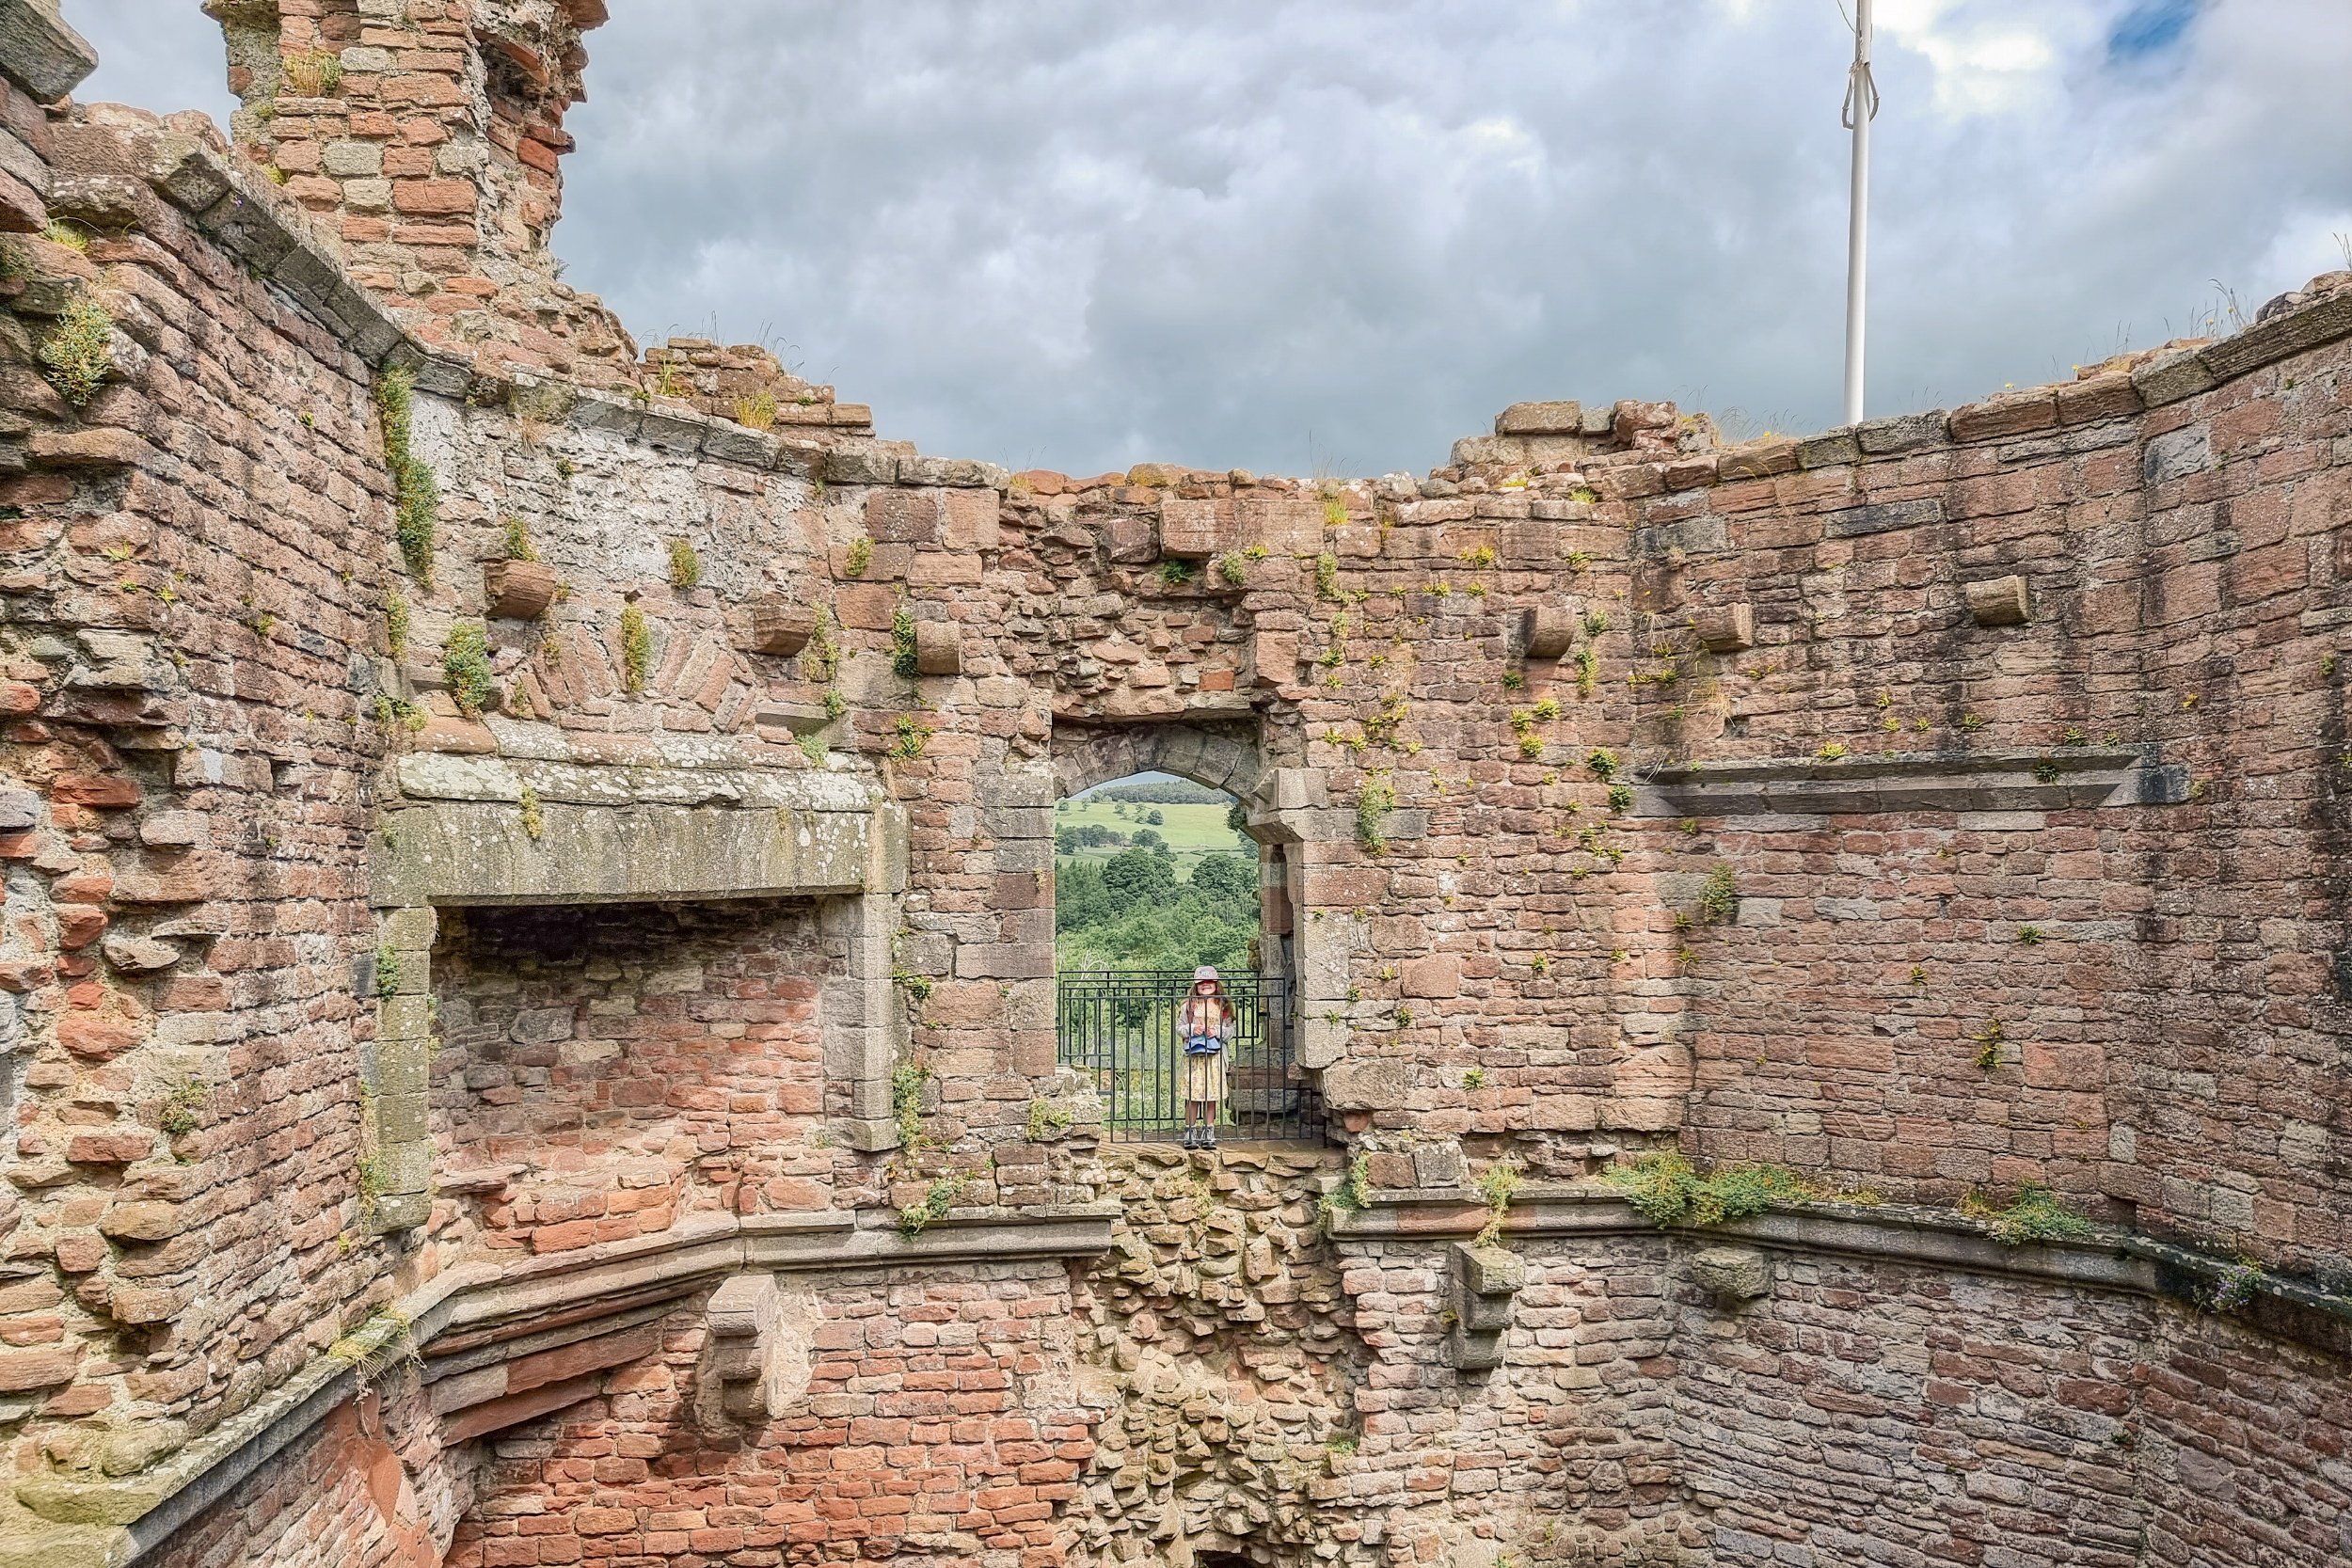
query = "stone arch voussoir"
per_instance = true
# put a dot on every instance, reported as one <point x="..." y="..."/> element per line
<point x="1219" y="754"/>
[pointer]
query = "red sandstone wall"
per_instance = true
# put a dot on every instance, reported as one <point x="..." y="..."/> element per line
<point x="942" y="1424"/>
<point x="607" y="1074"/>
<point x="368" y="1489"/>
<point x="193" y="565"/>
<point x="2171" y="1041"/>
<point x="202" y="564"/>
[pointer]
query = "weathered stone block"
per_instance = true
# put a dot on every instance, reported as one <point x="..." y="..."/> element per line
<point x="938" y="648"/>
<point x="776" y="626"/>
<point x="1273" y="658"/>
<point x="1732" y="1273"/>
<point x="905" y="516"/>
<point x="1548" y="632"/>
<point x="1196" y="530"/>
<point x="1859" y="520"/>
<point x="517" y="589"/>
<point x="1286" y="525"/>
<point x="1438" y="975"/>
<point x="1725" y="628"/>
<point x="2176" y="454"/>
<point x="1999" y="601"/>
<point x="1541" y="419"/>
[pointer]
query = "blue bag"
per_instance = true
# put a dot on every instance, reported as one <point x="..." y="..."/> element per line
<point x="1202" y="1045"/>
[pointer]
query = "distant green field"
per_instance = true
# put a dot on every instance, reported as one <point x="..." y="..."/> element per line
<point x="1191" y="831"/>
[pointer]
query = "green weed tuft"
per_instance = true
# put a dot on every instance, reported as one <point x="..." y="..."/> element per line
<point x="1666" y="1189"/>
<point x="636" y="648"/>
<point x="465" y="661"/>
<point x="77" y="351"/>
<point x="2037" y="1214"/>
<point x="415" y="495"/>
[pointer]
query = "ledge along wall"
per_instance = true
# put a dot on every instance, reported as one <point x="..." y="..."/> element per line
<point x="527" y="991"/>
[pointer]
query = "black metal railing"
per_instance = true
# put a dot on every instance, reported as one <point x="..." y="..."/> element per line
<point x="1119" y="1029"/>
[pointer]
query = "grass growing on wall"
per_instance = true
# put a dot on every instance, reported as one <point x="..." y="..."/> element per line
<point x="415" y="496"/>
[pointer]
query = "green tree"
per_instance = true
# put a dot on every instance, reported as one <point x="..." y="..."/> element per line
<point x="1136" y="876"/>
<point x="1227" y="879"/>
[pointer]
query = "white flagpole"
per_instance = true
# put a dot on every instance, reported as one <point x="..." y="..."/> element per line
<point x="1862" y="103"/>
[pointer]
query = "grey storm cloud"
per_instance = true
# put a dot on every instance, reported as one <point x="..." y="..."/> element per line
<point x="1302" y="235"/>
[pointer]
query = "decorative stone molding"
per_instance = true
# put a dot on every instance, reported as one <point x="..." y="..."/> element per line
<point x="455" y="833"/>
<point x="2066" y="778"/>
<point x="505" y="1317"/>
<point x="760" y="1347"/>
<point x="1486" y="1279"/>
<point x="1999" y="601"/>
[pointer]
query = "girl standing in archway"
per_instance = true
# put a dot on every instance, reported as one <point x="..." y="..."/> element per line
<point x="1204" y="1021"/>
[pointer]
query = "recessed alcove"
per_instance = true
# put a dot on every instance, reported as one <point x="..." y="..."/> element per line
<point x="606" y="1070"/>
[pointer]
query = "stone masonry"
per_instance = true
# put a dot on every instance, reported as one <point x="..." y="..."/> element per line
<point x="526" y="999"/>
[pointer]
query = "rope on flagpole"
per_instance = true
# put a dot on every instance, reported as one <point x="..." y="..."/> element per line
<point x="1860" y="108"/>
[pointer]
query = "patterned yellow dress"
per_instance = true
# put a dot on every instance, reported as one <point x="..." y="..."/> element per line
<point x="1204" y="1071"/>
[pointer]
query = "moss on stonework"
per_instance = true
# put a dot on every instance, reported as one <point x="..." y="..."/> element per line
<point x="2035" y="1214"/>
<point x="1666" y="1189"/>
<point x="905" y="662"/>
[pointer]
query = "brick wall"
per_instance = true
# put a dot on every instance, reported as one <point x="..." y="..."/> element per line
<point x="427" y="135"/>
<point x="941" y="1423"/>
<point x="605" y="1074"/>
<point x="193" y="570"/>
<point x="2000" y="898"/>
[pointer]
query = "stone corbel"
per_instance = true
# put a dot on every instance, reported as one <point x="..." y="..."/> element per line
<point x="1725" y="628"/>
<point x="758" y="1354"/>
<point x="1999" y="601"/>
<point x="1548" y="632"/>
<point x="1486" y="1279"/>
<point x="1732" y="1274"/>
<point x="938" y="648"/>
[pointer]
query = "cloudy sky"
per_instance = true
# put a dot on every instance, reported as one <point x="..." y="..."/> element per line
<point x="1331" y="235"/>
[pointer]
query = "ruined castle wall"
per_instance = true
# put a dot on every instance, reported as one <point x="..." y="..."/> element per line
<point x="2130" y="1002"/>
<point x="369" y="1488"/>
<point x="1624" y="792"/>
<point x="1876" y="1413"/>
<point x="194" y="571"/>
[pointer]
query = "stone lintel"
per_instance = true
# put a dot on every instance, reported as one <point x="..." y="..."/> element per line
<point x="2064" y="778"/>
<point x="478" y="853"/>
